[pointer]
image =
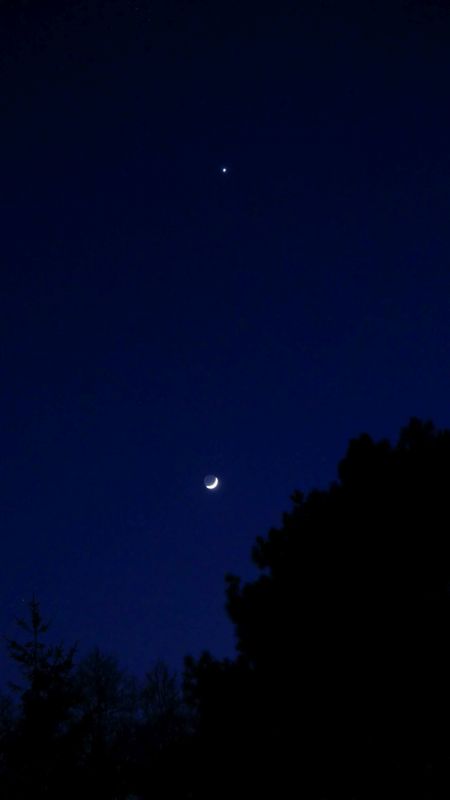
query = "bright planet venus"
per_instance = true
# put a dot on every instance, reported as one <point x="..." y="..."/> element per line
<point x="211" y="481"/>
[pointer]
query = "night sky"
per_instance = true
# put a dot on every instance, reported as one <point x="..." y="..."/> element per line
<point x="162" y="319"/>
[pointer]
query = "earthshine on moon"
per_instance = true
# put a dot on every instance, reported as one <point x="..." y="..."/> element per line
<point x="211" y="482"/>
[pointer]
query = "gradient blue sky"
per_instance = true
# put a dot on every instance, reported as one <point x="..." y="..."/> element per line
<point x="161" y="320"/>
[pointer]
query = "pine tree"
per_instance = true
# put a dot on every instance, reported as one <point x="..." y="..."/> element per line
<point x="39" y="759"/>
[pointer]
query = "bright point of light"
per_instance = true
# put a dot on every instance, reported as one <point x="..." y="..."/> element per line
<point x="224" y="169"/>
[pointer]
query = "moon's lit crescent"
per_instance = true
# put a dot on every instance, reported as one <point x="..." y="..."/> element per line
<point x="214" y="484"/>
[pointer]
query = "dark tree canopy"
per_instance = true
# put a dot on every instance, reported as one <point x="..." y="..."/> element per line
<point x="340" y="684"/>
<point x="87" y="729"/>
<point x="345" y="634"/>
<point x="37" y="750"/>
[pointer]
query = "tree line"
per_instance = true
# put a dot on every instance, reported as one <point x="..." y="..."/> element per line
<point x="340" y="681"/>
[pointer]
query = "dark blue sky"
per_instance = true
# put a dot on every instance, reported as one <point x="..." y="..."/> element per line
<point x="161" y="320"/>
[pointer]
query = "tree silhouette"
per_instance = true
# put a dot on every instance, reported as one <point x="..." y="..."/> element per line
<point x="89" y="729"/>
<point x="340" y="685"/>
<point x="39" y="754"/>
<point x="343" y="639"/>
<point x="163" y="752"/>
<point x="161" y="705"/>
<point x="106" y="723"/>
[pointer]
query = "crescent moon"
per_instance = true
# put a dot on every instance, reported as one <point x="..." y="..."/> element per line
<point x="213" y="485"/>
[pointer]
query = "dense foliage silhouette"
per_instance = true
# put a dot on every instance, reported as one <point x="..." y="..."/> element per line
<point x="340" y="683"/>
